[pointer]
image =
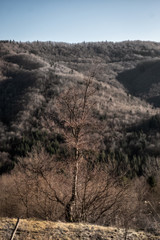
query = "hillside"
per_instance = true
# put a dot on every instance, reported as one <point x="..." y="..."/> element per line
<point x="80" y="133"/>
<point x="43" y="230"/>
<point x="32" y="75"/>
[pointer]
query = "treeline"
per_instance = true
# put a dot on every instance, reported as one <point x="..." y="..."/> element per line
<point x="100" y="51"/>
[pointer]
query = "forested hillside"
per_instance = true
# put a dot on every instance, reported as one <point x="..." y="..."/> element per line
<point x="32" y="75"/>
<point x="80" y="132"/>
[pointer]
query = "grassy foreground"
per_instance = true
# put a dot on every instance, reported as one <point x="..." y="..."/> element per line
<point x="46" y="230"/>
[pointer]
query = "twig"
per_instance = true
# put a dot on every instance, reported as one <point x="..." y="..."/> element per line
<point x="14" y="231"/>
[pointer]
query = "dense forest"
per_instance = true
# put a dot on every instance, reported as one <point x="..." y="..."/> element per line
<point x="38" y="82"/>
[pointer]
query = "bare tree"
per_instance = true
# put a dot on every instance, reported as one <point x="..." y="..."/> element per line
<point x="76" y="117"/>
<point x="36" y="179"/>
<point x="92" y="191"/>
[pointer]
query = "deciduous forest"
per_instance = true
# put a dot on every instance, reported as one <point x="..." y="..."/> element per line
<point x="80" y="132"/>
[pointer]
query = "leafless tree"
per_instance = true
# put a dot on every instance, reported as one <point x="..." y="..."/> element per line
<point x="76" y="116"/>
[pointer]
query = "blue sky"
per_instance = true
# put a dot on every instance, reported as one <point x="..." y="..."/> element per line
<point x="80" y="20"/>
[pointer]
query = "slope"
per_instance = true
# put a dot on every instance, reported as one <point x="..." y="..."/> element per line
<point x="40" y="230"/>
<point x="32" y="75"/>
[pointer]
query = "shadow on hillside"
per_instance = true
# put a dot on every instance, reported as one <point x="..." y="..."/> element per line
<point x="143" y="81"/>
<point x="150" y="125"/>
<point x="12" y="91"/>
<point x="154" y="100"/>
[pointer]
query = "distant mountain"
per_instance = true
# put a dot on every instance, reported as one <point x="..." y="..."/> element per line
<point x="127" y="77"/>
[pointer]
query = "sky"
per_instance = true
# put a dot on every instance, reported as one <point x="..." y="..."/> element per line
<point x="76" y="21"/>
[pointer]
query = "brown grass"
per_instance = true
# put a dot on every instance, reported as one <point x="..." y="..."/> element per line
<point x="47" y="230"/>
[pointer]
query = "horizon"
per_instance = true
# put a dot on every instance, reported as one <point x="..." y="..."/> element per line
<point x="76" y="22"/>
<point x="83" y="42"/>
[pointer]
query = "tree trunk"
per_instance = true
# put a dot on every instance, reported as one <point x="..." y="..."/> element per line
<point x="70" y="209"/>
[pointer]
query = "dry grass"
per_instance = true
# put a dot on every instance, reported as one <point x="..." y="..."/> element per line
<point x="34" y="229"/>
